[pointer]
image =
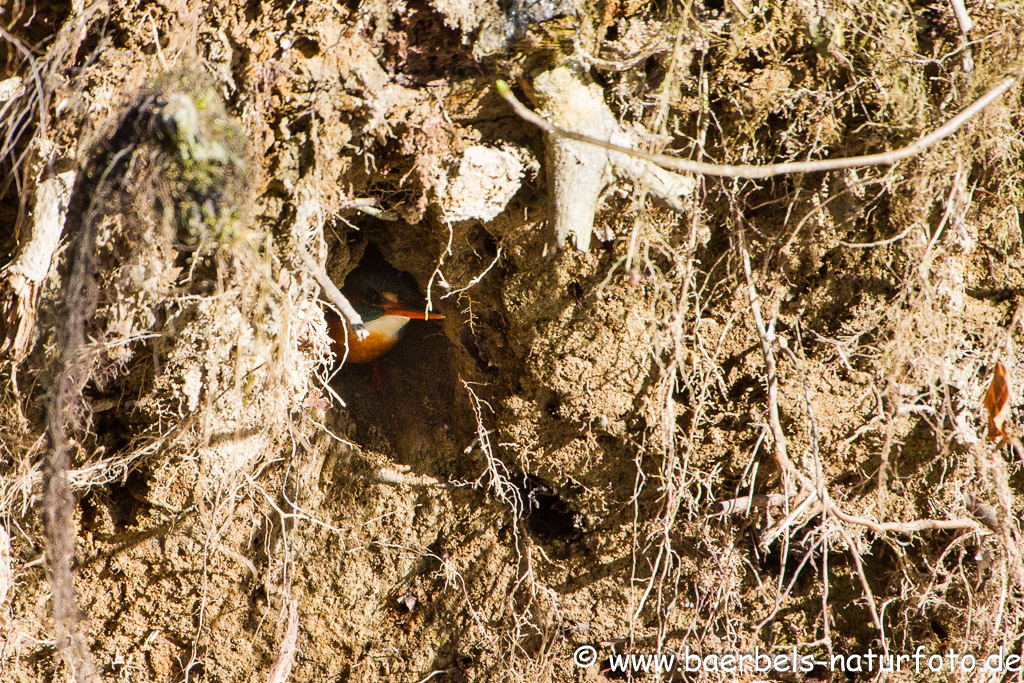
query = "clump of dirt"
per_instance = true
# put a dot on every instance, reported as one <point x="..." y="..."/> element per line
<point x="754" y="421"/>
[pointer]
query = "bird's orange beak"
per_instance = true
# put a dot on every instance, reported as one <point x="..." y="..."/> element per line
<point x="415" y="314"/>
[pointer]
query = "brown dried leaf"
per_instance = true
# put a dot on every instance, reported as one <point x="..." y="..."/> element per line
<point x="997" y="402"/>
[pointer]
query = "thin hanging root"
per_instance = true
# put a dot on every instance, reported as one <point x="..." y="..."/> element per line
<point x="758" y="172"/>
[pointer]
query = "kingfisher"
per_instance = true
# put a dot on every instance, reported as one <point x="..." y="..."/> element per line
<point x="386" y="299"/>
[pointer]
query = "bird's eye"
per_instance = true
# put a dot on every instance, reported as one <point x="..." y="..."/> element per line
<point x="373" y="297"/>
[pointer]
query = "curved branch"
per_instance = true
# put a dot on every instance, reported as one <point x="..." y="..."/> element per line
<point x="758" y="172"/>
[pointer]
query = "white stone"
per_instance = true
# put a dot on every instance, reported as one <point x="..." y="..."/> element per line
<point x="484" y="182"/>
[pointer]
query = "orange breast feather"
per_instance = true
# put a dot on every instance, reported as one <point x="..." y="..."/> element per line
<point x="384" y="334"/>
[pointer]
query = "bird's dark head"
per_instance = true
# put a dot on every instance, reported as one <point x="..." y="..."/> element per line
<point x="376" y="289"/>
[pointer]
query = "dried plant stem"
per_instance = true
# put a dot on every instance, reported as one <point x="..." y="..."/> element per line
<point x="769" y="170"/>
<point x="58" y="504"/>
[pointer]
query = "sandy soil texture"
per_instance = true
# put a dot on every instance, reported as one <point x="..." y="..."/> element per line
<point x="664" y="412"/>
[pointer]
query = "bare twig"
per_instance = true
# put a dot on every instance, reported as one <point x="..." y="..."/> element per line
<point x="766" y="337"/>
<point x="902" y="527"/>
<point x="964" y="19"/>
<point x="769" y="170"/>
<point x="333" y="293"/>
<point x="807" y="505"/>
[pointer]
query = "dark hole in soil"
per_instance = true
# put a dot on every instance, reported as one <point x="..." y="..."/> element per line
<point x="112" y="429"/>
<point x="308" y="47"/>
<point x="479" y="356"/>
<point x="714" y="7"/>
<point x="547" y="516"/>
<point x="127" y="499"/>
<point x="406" y="395"/>
<point x="33" y="22"/>
<point x="124" y="502"/>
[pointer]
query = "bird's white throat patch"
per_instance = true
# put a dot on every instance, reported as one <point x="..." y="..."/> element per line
<point x="388" y="325"/>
